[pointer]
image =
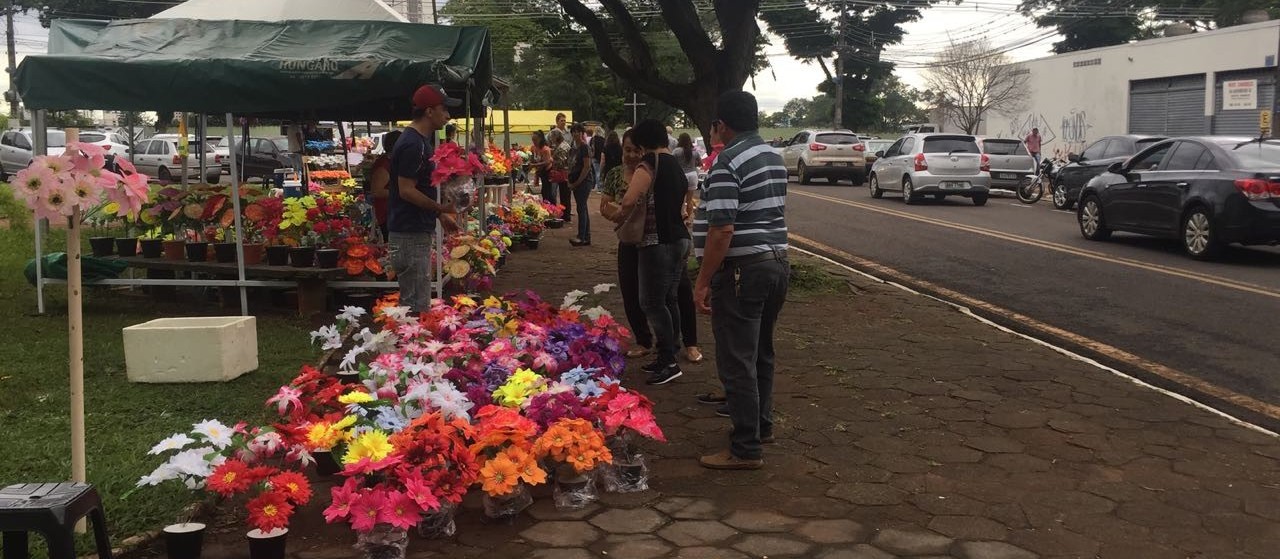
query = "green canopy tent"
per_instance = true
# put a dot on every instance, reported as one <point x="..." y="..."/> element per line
<point x="341" y="70"/>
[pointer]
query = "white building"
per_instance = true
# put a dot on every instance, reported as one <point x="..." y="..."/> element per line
<point x="1213" y="82"/>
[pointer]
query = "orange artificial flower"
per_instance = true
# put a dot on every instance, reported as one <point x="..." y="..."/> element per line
<point x="499" y="476"/>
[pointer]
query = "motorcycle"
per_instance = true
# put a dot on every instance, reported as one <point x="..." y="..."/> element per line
<point x="1032" y="187"/>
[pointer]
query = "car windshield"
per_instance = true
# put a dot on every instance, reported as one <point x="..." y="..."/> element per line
<point x="1145" y="143"/>
<point x="950" y="144"/>
<point x="1253" y="155"/>
<point x="1003" y="147"/>
<point x="281" y="143"/>
<point x="837" y="139"/>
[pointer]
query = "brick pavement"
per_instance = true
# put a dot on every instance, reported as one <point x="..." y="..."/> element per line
<point x="906" y="430"/>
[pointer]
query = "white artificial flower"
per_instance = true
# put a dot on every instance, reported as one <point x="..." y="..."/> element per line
<point x="163" y="473"/>
<point x="348" y="363"/>
<point x="192" y="462"/>
<point x="214" y="431"/>
<point x="595" y="313"/>
<point x="351" y="314"/>
<point x="602" y="288"/>
<point x="330" y="335"/>
<point x="174" y="442"/>
<point x="396" y="314"/>
<point x="572" y="297"/>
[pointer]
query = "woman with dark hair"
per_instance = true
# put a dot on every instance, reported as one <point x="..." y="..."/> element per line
<point x="541" y="164"/>
<point x="560" y="160"/>
<point x="689" y="160"/>
<point x="612" y="154"/>
<point x="659" y="184"/>
<point x="378" y="187"/>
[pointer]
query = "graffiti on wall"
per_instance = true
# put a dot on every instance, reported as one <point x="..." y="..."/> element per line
<point x="1075" y="131"/>
<point x="1020" y="126"/>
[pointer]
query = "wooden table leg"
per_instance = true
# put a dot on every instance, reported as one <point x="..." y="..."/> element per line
<point x="313" y="296"/>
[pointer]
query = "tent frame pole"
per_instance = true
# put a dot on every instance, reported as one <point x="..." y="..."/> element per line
<point x="75" y="336"/>
<point x="40" y="146"/>
<point x="235" y="204"/>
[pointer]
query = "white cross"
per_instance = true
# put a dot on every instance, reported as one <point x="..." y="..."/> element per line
<point x="635" y="104"/>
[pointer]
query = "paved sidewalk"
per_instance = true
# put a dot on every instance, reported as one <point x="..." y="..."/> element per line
<point x="905" y="430"/>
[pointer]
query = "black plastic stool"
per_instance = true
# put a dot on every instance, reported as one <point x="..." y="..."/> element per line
<point x="53" y="509"/>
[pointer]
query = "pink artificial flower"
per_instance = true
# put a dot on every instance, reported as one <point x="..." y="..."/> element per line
<point x="126" y="167"/>
<point x="286" y="398"/>
<point x="400" y="510"/>
<point x="32" y="182"/>
<point x="85" y="187"/>
<point x="86" y="156"/>
<point x="366" y="512"/>
<point x="57" y="163"/>
<point x="388" y="362"/>
<point x="56" y="202"/>
<point x="546" y="362"/>
<point x="418" y="490"/>
<point x="343" y="498"/>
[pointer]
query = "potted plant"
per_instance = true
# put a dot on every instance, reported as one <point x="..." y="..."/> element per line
<point x="577" y="448"/>
<point x="190" y="458"/>
<point x="295" y="229"/>
<point x="255" y="249"/>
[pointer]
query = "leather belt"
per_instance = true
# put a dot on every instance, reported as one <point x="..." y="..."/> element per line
<point x="743" y="261"/>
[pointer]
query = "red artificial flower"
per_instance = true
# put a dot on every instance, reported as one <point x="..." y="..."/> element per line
<point x="269" y="511"/>
<point x="342" y="498"/>
<point x="293" y="485"/>
<point x="400" y="511"/>
<point x="366" y="512"/>
<point x="230" y="478"/>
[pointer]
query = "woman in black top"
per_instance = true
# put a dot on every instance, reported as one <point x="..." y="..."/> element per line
<point x="612" y="154"/>
<point x="666" y="242"/>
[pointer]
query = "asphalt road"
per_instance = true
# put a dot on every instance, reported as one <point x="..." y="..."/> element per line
<point x="1217" y="321"/>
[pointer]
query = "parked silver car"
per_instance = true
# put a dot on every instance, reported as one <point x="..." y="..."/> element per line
<point x="1010" y="161"/>
<point x="16" y="146"/>
<point x="158" y="158"/>
<point x="833" y="154"/>
<point x="938" y="165"/>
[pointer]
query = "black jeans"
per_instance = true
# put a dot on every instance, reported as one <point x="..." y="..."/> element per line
<point x="745" y="303"/>
<point x="660" y="269"/>
<point x="549" y="190"/>
<point x="629" y="284"/>
<point x="582" y="195"/>
<point x="566" y="199"/>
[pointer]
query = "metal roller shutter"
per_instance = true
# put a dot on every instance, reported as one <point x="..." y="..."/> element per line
<point x="1167" y="106"/>
<point x="1242" y="122"/>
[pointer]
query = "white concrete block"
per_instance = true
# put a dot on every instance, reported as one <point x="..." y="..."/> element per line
<point x="191" y="349"/>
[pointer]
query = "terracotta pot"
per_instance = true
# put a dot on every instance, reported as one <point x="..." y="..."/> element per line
<point x="253" y="254"/>
<point x="175" y="250"/>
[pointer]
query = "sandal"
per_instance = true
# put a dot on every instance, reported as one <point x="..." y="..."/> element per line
<point x="638" y="352"/>
<point x="711" y="399"/>
<point x="692" y="354"/>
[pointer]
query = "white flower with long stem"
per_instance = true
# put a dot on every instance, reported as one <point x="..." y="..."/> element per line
<point x="173" y="442"/>
<point x="351" y="314"/>
<point x="602" y="288"/>
<point x="595" y="313"/>
<point x="195" y="462"/>
<point x="214" y="432"/>
<point x="329" y="335"/>
<point x="571" y="298"/>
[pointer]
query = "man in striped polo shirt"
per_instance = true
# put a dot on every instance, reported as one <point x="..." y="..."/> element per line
<point x="742" y="234"/>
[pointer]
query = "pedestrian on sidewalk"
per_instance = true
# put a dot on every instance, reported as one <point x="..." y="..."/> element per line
<point x="412" y="210"/>
<point x="581" y="183"/>
<point x="1033" y="142"/>
<point x="597" y="155"/>
<point x="612" y="192"/>
<point x="689" y="160"/>
<point x="540" y="163"/>
<point x="743" y="279"/>
<point x="659" y="183"/>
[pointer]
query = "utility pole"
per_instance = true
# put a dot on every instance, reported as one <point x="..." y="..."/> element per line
<point x="839" y="116"/>
<point x="434" y="17"/>
<point x="12" y="95"/>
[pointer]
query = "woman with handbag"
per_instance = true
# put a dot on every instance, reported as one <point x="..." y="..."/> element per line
<point x="653" y="206"/>
<point x="614" y="187"/>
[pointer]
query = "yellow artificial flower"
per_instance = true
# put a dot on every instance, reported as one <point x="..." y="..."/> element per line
<point x="493" y="302"/>
<point x="345" y="422"/>
<point x="323" y="436"/>
<point x="372" y="445"/>
<point x="511" y="395"/>
<point x="460" y="251"/>
<point x="509" y="329"/>
<point x="524" y="376"/>
<point x="355" y="397"/>
<point x="465" y="301"/>
<point x="459" y="269"/>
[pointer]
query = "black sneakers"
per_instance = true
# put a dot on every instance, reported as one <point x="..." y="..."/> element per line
<point x="665" y="374"/>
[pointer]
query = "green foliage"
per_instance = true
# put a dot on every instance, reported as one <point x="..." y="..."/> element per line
<point x="92" y="9"/>
<point x="4" y="122"/>
<point x="12" y="211"/>
<point x="1087" y="24"/>
<point x="68" y="119"/>
<point x="890" y="106"/>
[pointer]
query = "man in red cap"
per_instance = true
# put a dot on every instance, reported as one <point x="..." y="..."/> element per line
<point x="412" y="207"/>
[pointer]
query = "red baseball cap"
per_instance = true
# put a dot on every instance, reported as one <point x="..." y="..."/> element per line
<point x="431" y="95"/>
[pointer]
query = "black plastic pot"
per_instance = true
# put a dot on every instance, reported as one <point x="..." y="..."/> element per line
<point x="349" y="378"/>
<point x="327" y="258"/>
<point x="224" y="252"/>
<point x="102" y="246"/>
<point x="127" y="246"/>
<point x="554" y="223"/>
<point x="326" y="465"/>
<point x="197" y="251"/>
<point x="267" y="545"/>
<point x="184" y="541"/>
<point x="277" y="255"/>
<point x="302" y="257"/>
<point x="152" y="248"/>
<point x="532" y="244"/>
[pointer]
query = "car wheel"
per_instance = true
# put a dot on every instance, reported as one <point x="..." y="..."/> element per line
<point x="164" y="175"/>
<point x="980" y="199"/>
<point x="908" y="191"/>
<point x="802" y="174"/>
<point x="4" y="175"/>
<point x="1060" y="201"/>
<point x="874" y="186"/>
<point x="859" y="179"/>
<point x="1092" y="224"/>
<point x="1199" y="238"/>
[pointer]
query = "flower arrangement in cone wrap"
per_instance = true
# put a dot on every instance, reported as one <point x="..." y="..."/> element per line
<point x="484" y="392"/>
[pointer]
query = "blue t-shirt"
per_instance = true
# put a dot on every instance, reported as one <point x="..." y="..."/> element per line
<point x="411" y="159"/>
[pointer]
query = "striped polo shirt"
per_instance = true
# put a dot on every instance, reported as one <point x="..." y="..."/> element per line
<point x="747" y="188"/>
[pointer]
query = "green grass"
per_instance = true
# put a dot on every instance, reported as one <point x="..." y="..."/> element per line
<point x="811" y="277"/>
<point x="123" y="419"/>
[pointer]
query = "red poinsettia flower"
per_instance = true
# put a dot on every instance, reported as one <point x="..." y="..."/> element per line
<point x="269" y="511"/>
<point x="293" y="485"/>
<point x="230" y="478"/>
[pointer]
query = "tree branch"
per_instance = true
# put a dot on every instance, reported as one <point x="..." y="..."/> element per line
<point x="737" y="19"/>
<point x="641" y="75"/>
<point x="682" y="17"/>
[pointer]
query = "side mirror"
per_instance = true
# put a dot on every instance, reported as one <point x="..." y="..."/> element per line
<point x="1116" y="168"/>
<point x="880" y="153"/>
<point x="1074" y="158"/>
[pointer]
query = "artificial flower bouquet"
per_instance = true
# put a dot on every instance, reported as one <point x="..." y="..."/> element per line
<point x="472" y="261"/>
<point x="55" y="185"/>
<point x="455" y="174"/>
<point x="498" y="163"/>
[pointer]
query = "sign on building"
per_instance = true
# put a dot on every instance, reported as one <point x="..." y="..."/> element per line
<point x="1239" y="95"/>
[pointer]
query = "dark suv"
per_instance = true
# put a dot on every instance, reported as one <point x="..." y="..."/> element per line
<point x="265" y="156"/>
<point x="1095" y="159"/>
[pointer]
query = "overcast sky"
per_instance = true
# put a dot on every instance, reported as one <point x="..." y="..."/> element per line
<point x="788" y="78"/>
